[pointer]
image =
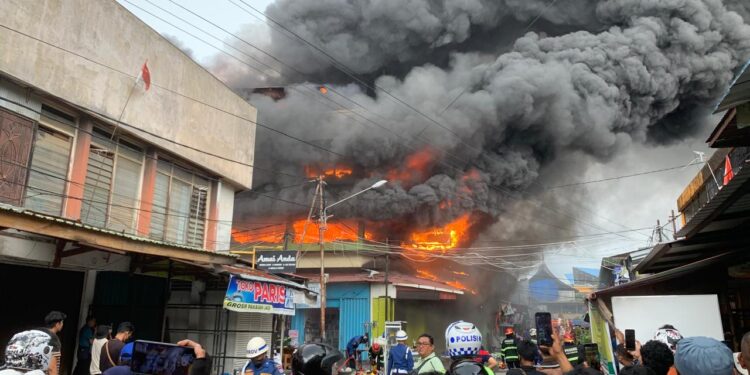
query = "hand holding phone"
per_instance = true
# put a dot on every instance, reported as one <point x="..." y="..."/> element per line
<point x="591" y="355"/>
<point x="543" y="328"/>
<point x="161" y="358"/>
<point x="630" y="339"/>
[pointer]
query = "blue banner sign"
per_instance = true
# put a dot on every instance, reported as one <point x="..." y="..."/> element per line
<point x="258" y="296"/>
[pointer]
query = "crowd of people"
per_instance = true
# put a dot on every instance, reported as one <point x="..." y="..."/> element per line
<point x="38" y="351"/>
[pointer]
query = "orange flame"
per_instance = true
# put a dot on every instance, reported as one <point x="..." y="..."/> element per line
<point x="336" y="231"/>
<point x="423" y="274"/>
<point x="441" y="238"/>
<point x="415" y="167"/>
<point x="272" y="234"/>
<point x="459" y="285"/>
<point x="335" y="172"/>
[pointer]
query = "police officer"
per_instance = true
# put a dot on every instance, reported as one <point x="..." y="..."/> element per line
<point x="315" y="359"/>
<point x="571" y="350"/>
<point x="400" y="359"/>
<point x="509" y="348"/>
<point x="259" y="363"/>
<point x="464" y="342"/>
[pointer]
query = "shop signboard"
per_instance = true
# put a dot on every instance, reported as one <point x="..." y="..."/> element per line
<point x="258" y="296"/>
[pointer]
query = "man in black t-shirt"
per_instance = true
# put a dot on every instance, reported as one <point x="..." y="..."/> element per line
<point x="53" y="324"/>
<point x="111" y="349"/>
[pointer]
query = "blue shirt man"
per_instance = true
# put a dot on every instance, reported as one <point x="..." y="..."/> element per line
<point x="262" y="367"/>
<point x="259" y="363"/>
<point x="400" y="360"/>
<point x="351" y="347"/>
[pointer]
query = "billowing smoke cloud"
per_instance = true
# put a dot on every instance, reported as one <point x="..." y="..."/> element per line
<point x="635" y="71"/>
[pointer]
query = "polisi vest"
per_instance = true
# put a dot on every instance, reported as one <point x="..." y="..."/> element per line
<point x="509" y="350"/>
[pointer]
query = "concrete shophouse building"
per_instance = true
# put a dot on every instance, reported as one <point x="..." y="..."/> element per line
<point x="109" y="191"/>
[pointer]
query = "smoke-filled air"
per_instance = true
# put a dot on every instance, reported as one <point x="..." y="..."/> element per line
<point x="461" y="105"/>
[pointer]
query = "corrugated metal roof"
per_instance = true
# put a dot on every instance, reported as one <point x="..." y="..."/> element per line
<point x="77" y="224"/>
<point x="394" y="278"/>
<point x="738" y="92"/>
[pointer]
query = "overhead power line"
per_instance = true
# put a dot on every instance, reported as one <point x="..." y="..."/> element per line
<point x="623" y="176"/>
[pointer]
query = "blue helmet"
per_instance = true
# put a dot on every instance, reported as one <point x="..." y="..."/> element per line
<point x="463" y="339"/>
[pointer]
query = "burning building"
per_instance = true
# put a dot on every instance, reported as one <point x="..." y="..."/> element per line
<point x="468" y="109"/>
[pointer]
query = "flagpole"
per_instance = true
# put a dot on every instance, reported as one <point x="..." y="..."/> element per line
<point x="112" y="137"/>
<point x="130" y="95"/>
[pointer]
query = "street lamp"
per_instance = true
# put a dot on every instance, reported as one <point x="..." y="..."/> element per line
<point x="322" y="222"/>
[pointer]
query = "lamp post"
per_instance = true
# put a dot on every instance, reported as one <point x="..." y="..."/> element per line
<point x="322" y="222"/>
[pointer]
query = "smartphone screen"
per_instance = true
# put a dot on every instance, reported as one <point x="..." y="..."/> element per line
<point x="544" y="328"/>
<point x="161" y="358"/>
<point x="630" y="339"/>
<point x="591" y="354"/>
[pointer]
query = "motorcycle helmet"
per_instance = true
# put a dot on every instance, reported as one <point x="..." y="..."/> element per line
<point x="315" y="359"/>
<point x="29" y="350"/>
<point x="463" y="339"/>
<point x="668" y="335"/>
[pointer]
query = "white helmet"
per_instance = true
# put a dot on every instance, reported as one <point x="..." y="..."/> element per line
<point x="532" y="332"/>
<point x="255" y="347"/>
<point x="401" y="335"/>
<point x="463" y="339"/>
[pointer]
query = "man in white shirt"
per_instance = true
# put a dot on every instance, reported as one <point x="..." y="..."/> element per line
<point x="102" y="335"/>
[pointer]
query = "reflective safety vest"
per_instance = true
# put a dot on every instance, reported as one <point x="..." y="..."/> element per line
<point x="571" y="352"/>
<point x="509" y="350"/>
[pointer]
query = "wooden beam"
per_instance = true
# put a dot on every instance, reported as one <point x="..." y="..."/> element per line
<point x="105" y="241"/>
<point x="59" y="246"/>
<point x="76" y="251"/>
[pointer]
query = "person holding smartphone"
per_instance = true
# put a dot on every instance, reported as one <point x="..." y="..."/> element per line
<point x="202" y="363"/>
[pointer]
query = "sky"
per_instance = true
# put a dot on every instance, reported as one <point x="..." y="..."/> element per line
<point x="617" y="205"/>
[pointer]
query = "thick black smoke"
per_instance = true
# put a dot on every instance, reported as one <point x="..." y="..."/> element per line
<point x="635" y="71"/>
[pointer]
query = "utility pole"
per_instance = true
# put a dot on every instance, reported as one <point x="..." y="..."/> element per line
<point x="674" y="225"/>
<point x="387" y="257"/>
<point x="658" y="228"/>
<point x="322" y="220"/>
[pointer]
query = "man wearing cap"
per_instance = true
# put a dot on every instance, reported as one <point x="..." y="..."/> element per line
<point x="259" y="363"/>
<point x="400" y="360"/>
<point x="703" y="355"/>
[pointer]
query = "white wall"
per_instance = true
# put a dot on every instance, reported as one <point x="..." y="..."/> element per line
<point x="692" y="315"/>
<point x="226" y="210"/>
<point x="106" y="33"/>
<point x="39" y="251"/>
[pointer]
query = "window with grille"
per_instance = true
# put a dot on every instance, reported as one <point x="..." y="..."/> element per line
<point x="48" y="172"/>
<point x="178" y="213"/>
<point x="111" y="197"/>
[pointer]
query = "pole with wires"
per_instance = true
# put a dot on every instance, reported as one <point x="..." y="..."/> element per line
<point x="322" y="220"/>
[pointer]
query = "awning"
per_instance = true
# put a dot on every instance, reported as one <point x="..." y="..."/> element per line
<point x="397" y="279"/>
<point x="729" y="208"/>
<point x="739" y="91"/>
<point x="667" y="275"/>
<point x="256" y="275"/>
<point x="104" y="239"/>
<point x="666" y="256"/>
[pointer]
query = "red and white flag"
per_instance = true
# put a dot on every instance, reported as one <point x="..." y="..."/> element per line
<point x="728" y="173"/>
<point x="145" y="76"/>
